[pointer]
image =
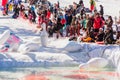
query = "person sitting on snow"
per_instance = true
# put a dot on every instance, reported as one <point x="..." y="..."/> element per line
<point x="100" y="35"/>
<point x="108" y="37"/>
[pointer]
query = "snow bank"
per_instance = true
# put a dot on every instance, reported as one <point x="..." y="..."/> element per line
<point x="27" y="47"/>
<point x="2" y="57"/>
<point x="109" y="52"/>
<point x="17" y="57"/>
<point x="94" y="64"/>
<point x="73" y="47"/>
<point x="47" y="57"/>
<point x="35" y="60"/>
<point x="93" y="51"/>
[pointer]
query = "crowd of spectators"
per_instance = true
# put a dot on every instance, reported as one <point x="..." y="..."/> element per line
<point x="74" y="21"/>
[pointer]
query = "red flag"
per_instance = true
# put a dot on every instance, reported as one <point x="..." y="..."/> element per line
<point x="4" y="2"/>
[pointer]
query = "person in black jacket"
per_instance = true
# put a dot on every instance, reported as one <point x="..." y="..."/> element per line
<point x="90" y="24"/>
<point x="109" y="22"/>
<point x="82" y="12"/>
<point x="108" y="37"/>
<point x="101" y="10"/>
<point x="69" y="19"/>
<point x="16" y="11"/>
<point x="81" y="3"/>
<point x="100" y="35"/>
<point x="57" y="27"/>
<point x="33" y="16"/>
<point x="68" y="22"/>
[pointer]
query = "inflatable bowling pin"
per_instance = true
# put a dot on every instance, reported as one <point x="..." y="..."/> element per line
<point x="4" y="37"/>
<point x="44" y="35"/>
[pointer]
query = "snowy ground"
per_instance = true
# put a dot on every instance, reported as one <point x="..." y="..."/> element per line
<point x="44" y="56"/>
<point x="55" y="49"/>
<point x="55" y="54"/>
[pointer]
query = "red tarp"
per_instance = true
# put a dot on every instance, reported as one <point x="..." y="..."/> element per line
<point x="4" y="2"/>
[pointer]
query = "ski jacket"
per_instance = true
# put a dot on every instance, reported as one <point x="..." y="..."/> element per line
<point x="98" y="23"/>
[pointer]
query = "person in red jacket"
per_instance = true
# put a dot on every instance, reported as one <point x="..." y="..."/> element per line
<point x="98" y="23"/>
<point x="48" y="14"/>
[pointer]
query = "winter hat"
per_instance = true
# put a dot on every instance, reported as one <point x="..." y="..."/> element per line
<point x="101" y="29"/>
